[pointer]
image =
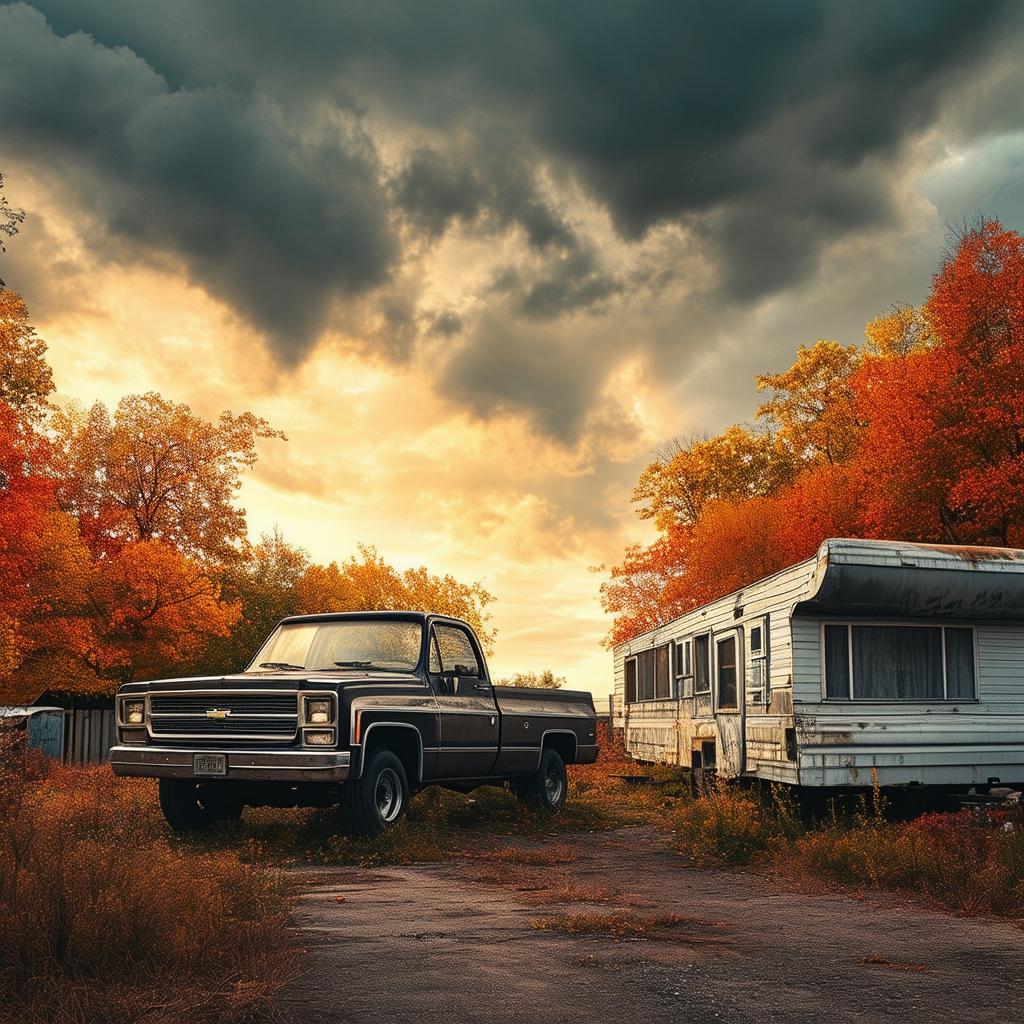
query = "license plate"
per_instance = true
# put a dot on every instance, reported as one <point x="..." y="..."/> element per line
<point x="210" y="764"/>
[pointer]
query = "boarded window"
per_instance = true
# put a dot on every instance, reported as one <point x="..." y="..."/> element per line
<point x="631" y="681"/>
<point x="727" y="691"/>
<point x="899" y="662"/>
<point x="662" y="681"/>
<point x="702" y="663"/>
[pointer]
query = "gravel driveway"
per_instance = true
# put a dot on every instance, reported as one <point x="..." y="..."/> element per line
<point x="454" y="942"/>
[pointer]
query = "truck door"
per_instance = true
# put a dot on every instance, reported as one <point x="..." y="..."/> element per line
<point x="469" y="727"/>
<point x="729" y="703"/>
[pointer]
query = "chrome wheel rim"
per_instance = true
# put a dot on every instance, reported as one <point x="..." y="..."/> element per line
<point x="553" y="784"/>
<point x="388" y="795"/>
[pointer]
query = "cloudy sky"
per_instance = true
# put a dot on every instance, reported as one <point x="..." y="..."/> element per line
<point x="481" y="259"/>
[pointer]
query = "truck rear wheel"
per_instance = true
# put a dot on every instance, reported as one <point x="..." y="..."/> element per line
<point x="548" y="786"/>
<point x="375" y="801"/>
<point x="189" y="805"/>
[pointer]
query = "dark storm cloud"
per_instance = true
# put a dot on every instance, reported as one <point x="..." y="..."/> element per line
<point x="509" y="367"/>
<point x="479" y="187"/>
<point x="767" y="131"/>
<point x="274" y="222"/>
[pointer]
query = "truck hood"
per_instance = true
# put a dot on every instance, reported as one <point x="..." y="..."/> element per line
<point x="267" y="678"/>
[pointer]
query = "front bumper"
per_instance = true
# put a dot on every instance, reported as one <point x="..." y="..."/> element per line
<point x="243" y="765"/>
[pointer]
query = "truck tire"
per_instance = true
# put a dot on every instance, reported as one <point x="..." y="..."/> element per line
<point x="548" y="786"/>
<point x="189" y="805"/>
<point x="375" y="801"/>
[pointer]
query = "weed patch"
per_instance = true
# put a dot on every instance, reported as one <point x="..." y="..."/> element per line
<point x="625" y="927"/>
<point x="105" y="919"/>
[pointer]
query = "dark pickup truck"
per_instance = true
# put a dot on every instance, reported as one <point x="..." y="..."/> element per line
<point x="356" y="710"/>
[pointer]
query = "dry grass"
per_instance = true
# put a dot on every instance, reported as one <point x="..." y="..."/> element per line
<point x="538" y="856"/>
<point x="964" y="862"/>
<point x="877" y="960"/>
<point x="621" y="926"/>
<point x="105" y="919"/>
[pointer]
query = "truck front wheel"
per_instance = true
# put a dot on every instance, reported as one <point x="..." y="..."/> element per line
<point x="548" y="786"/>
<point x="375" y="801"/>
<point x="189" y="805"/>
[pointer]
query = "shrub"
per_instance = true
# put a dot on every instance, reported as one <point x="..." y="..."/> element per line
<point x="724" y="825"/>
<point x="966" y="862"/>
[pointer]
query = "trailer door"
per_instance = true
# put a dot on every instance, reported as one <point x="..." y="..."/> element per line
<point x="729" y="703"/>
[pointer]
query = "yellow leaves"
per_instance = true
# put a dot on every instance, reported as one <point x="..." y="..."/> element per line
<point x="902" y="330"/>
<point x="811" y="407"/>
<point x="367" y="582"/>
<point x="157" y="471"/>
<point x="738" y="463"/>
<point x="26" y="381"/>
<point x="159" y="609"/>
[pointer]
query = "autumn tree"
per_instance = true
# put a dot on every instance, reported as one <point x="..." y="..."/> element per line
<point x="26" y="380"/>
<point x="157" y="610"/>
<point x="811" y="410"/>
<point x="154" y="470"/>
<point x="10" y="220"/>
<point x="367" y="581"/>
<point x="944" y="453"/>
<point x="737" y="464"/>
<point x="918" y="435"/>
<point x="534" y="680"/>
<point x="45" y="615"/>
<point x="265" y="584"/>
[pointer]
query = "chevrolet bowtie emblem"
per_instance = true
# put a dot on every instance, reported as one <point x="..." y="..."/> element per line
<point x="217" y="713"/>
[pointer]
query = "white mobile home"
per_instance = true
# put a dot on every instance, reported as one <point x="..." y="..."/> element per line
<point x="905" y="660"/>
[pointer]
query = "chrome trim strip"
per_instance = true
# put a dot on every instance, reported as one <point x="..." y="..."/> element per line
<point x="243" y="765"/>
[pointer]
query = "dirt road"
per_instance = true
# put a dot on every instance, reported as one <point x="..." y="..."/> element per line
<point x="438" y="943"/>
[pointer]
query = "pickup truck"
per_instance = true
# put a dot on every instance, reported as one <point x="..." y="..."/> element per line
<point x="356" y="710"/>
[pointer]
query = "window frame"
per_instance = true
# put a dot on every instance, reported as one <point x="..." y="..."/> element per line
<point x="635" y="657"/>
<point x="632" y="658"/>
<point x="728" y="636"/>
<point x="467" y="633"/>
<point x="941" y="626"/>
<point x="707" y="635"/>
<point x="759" y="659"/>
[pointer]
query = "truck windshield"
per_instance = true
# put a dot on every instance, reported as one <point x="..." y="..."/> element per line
<point x="346" y="643"/>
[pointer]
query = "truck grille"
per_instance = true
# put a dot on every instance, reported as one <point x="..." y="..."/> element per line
<point x="272" y="716"/>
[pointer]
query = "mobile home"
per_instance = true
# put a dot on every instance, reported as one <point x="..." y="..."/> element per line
<point x="874" y="659"/>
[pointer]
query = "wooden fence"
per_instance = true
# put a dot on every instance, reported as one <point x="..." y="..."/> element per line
<point x="88" y="735"/>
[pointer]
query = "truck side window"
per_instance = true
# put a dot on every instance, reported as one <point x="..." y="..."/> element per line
<point x="435" y="658"/>
<point x="456" y="649"/>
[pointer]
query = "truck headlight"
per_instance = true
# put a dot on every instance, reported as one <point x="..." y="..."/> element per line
<point x="318" y="737"/>
<point x="318" y="710"/>
<point x="134" y="712"/>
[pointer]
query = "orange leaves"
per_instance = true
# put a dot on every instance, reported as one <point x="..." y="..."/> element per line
<point x="26" y="381"/>
<point x="158" y="609"/>
<point x="918" y="436"/>
<point x="156" y="471"/>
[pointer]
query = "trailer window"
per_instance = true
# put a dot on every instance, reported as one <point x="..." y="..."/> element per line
<point x="631" y="681"/>
<point x="702" y="663"/>
<point x="662" y="681"/>
<point x="898" y="662"/>
<point x="645" y="674"/>
<point x="684" y="668"/>
<point x="728" y="698"/>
